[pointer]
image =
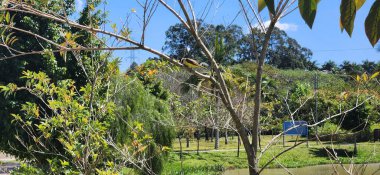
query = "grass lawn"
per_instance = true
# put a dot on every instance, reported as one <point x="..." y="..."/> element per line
<point x="215" y="162"/>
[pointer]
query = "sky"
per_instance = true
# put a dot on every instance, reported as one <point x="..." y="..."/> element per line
<point x="325" y="39"/>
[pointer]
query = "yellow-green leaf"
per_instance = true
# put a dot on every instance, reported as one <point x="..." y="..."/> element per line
<point x="64" y="163"/>
<point x="359" y="4"/>
<point x="67" y="35"/>
<point x="365" y="77"/>
<point x="372" y="23"/>
<point x="341" y="25"/>
<point x="357" y="78"/>
<point x="165" y="148"/>
<point x="270" y="5"/>
<point x="139" y="126"/>
<point x="91" y="7"/>
<point x="374" y="75"/>
<point x="2" y="15"/>
<point x="95" y="156"/>
<point x="347" y="15"/>
<point x="345" y="96"/>
<point x="113" y="26"/>
<point x="261" y="5"/>
<point x="110" y="164"/>
<point x="7" y="17"/>
<point x="308" y="10"/>
<point x="12" y="18"/>
<point x="16" y="116"/>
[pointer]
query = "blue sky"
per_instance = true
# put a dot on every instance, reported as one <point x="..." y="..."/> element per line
<point x="325" y="39"/>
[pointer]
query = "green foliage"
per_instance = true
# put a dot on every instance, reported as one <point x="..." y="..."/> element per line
<point x="360" y="118"/>
<point x="270" y="5"/>
<point x="134" y="104"/>
<point x="348" y="13"/>
<point x="64" y="118"/>
<point x="82" y="128"/>
<point x="300" y="90"/>
<point x="372" y="23"/>
<point x="26" y="169"/>
<point x="329" y="128"/>
<point x="348" y="9"/>
<point x="336" y="93"/>
<point x="330" y="66"/>
<point x="308" y="10"/>
<point x="179" y="42"/>
<point x="261" y="5"/>
<point x="284" y="53"/>
<point x="146" y="73"/>
<point x="57" y="67"/>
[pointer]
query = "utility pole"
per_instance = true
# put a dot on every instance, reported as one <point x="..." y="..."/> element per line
<point x="316" y="103"/>
<point x="132" y="55"/>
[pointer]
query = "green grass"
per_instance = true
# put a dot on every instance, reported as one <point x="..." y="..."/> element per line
<point x="215" y="162"/>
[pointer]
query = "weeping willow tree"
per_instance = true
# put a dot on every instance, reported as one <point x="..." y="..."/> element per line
<point x="135" y="104"/>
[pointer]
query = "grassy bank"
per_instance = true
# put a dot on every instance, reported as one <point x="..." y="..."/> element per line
<point x="215" y="162"/>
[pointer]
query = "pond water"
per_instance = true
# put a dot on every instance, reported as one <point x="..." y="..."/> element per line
<point x="359" y="169"/>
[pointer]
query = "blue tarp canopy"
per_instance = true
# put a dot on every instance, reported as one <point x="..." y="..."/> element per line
<point x="300" y="130"/>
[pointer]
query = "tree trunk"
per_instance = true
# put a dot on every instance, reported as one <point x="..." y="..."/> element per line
<point x="212" y="134"/>
<point x="257" y="100"/>
<point x="355" y="146"/>
<point x="180" y="153"/>
<point x="187" y="141"/>
<point x="226" y="137"/>
<point x="206" y="134"/>
<point x="252" y="164"/>
<point x="238" y="152"/>
<point x="216" y="138"/>
<point x="216" y="116"/>
<point x="197" y="146"/>
<point x="260" y="139"/>
<point x="198" y="138"/>
<point x="251" y="151"/>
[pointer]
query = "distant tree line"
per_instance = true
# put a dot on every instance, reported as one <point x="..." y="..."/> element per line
<point x="351" y="68"/>
<point x="284" y="52"/>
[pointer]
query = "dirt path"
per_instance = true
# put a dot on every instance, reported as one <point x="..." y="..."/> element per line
<point x="7" y="164"/>
<point x="6" y="158"/>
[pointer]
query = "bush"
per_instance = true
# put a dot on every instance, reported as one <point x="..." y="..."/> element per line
<point x="26" y="169"/>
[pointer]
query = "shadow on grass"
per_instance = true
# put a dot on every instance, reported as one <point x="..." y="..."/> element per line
<point x="321" y="152"/>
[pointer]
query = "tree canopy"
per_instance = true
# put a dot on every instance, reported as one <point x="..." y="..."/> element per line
<point x="284" y="51"/>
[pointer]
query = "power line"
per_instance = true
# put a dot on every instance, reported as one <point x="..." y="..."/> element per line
<point x="341" y="50"/>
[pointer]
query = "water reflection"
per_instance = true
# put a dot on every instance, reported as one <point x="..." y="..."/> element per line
<point x="358" y="169"/>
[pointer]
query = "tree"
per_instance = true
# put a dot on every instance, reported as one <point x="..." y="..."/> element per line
<point x="351" y="68"/>
<point x="180" y="43"/>
<point x="90" y="135"/>
<point x="283" y="52"/>
<point x="186" y="16"/>
<point x="51" y="63"/>
<point x="330" y="66"/>
<point x="82" y="67"/>
<point x="135" y="104"/>
<point x="146" y="73"/>
<point x="133" y="66"/>
<point x="369" y="66"/>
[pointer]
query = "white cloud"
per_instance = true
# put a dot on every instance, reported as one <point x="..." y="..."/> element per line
<point x="79" y="5"/>
<point x="283" y="26"/>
